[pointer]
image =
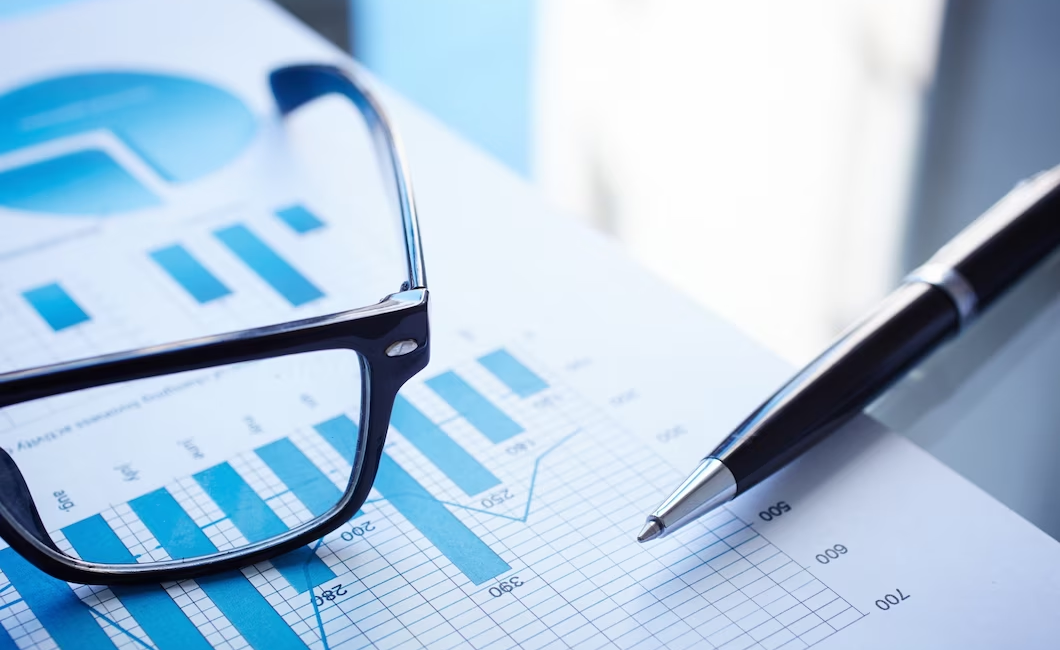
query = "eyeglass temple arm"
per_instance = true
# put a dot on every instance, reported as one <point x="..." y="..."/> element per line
<point x="296" y="85"/>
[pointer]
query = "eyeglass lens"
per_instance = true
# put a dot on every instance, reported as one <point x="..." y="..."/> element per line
<point x="195" y="463"/>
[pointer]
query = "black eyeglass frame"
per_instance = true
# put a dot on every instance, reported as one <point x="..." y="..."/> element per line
<point x="392" y="339"/>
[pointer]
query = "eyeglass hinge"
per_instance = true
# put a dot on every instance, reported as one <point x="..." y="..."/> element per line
<point x="401" y="348"/>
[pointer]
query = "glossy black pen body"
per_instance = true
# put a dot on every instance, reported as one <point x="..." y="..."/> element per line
<point x="933" y="304"/>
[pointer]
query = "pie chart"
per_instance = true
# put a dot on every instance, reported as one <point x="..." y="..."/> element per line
<point x="180" y="129"/>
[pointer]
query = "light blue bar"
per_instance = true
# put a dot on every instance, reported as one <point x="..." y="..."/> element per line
<point x="69" y="621"/>
<point x="441" y="528"/>
<point x="160" y="617"/>
<point x="341" y="433"/>
<point x="513" y="373"/>
<point x="461" y="467"/>
<point x="190" y="273"/>
<point x="303" y="478"/>
<point x="257" y="521"/>
<point x="448" y="534"/>
<point x="240" y="503"/>
<point x="267" y="263"/>
<point x="55" y="306"/>
<point x="12" y="8"/>
<point x="299" y="219"/>
<point x="233" y="594"/>
<point x="475" y="408"/>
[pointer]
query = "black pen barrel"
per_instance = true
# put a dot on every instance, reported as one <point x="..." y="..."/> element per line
<point x="1011" y="237"/>
<point x="962" y="279"/>
<point x="910" y="323"/>
<point x="937" y="301"/>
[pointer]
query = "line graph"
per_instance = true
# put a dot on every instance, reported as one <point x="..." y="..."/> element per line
<point x="530" y="492"/>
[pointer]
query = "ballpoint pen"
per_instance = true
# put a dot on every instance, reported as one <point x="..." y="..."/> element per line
<point x="934" y="303"/>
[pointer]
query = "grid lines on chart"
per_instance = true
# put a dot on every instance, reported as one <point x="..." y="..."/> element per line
<point x="582" y="582"/>
<point x="731" y="600"/>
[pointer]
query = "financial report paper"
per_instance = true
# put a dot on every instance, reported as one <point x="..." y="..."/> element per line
<point x="593" y="389"/>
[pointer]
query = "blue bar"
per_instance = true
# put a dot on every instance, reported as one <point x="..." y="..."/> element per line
<point x="461" y="467"/>
<point x="475" y="408"/>
<point x="233" y="594"/>
<point x="55" y="306"/>
<point x="150" y="605"/>
<point x="514" y="374"/>
<point x="6" y="642"/>
<point x="342" y="434"/>
<point x="447" y="533"/>
<point x="299" y="219"/>
<point x="190" y="273"/>
<point x="310" y="485"/>
<point x="257" y="521"/>
<point x="268" y="264"/>
<point x="69" y="621"/>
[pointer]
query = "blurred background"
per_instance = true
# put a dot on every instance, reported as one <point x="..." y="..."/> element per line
<point x="784" y="164"/>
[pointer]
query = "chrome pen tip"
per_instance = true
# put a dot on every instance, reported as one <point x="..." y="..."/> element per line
<point x="651" y="530"/>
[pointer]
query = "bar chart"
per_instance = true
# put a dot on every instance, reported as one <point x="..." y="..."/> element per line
<point x="478" y="410"/>
<point x="273" y="269"/>
<point x="413" y="562"/>
<point x="197" y="277"/>
<point x="469" y="553"/>
<point x="459" y="465"/>
<point x="175" y="533"/>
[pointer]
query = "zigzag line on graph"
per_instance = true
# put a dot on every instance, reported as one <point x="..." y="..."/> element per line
<point x="530" y="491"/>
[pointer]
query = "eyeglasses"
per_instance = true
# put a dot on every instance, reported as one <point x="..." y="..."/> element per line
<point x="248" y="494"/>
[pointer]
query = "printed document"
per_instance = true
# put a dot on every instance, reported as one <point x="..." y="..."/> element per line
<point x="574" y="391"/>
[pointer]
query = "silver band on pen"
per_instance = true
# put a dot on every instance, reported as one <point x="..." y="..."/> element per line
<point x="953" y="284"/>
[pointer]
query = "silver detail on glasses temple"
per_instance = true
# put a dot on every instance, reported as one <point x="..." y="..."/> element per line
<point x="401" y="348"/>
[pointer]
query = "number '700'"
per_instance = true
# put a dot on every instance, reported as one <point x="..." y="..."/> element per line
<point x="890" y="600"/>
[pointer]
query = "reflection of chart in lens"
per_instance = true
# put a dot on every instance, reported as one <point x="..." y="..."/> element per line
<point x="180" y="129"/>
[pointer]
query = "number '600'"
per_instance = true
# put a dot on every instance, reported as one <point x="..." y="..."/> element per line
<point x="831" y="554"/>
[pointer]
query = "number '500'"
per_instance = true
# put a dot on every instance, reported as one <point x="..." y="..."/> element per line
<point x="774" y="511"/>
